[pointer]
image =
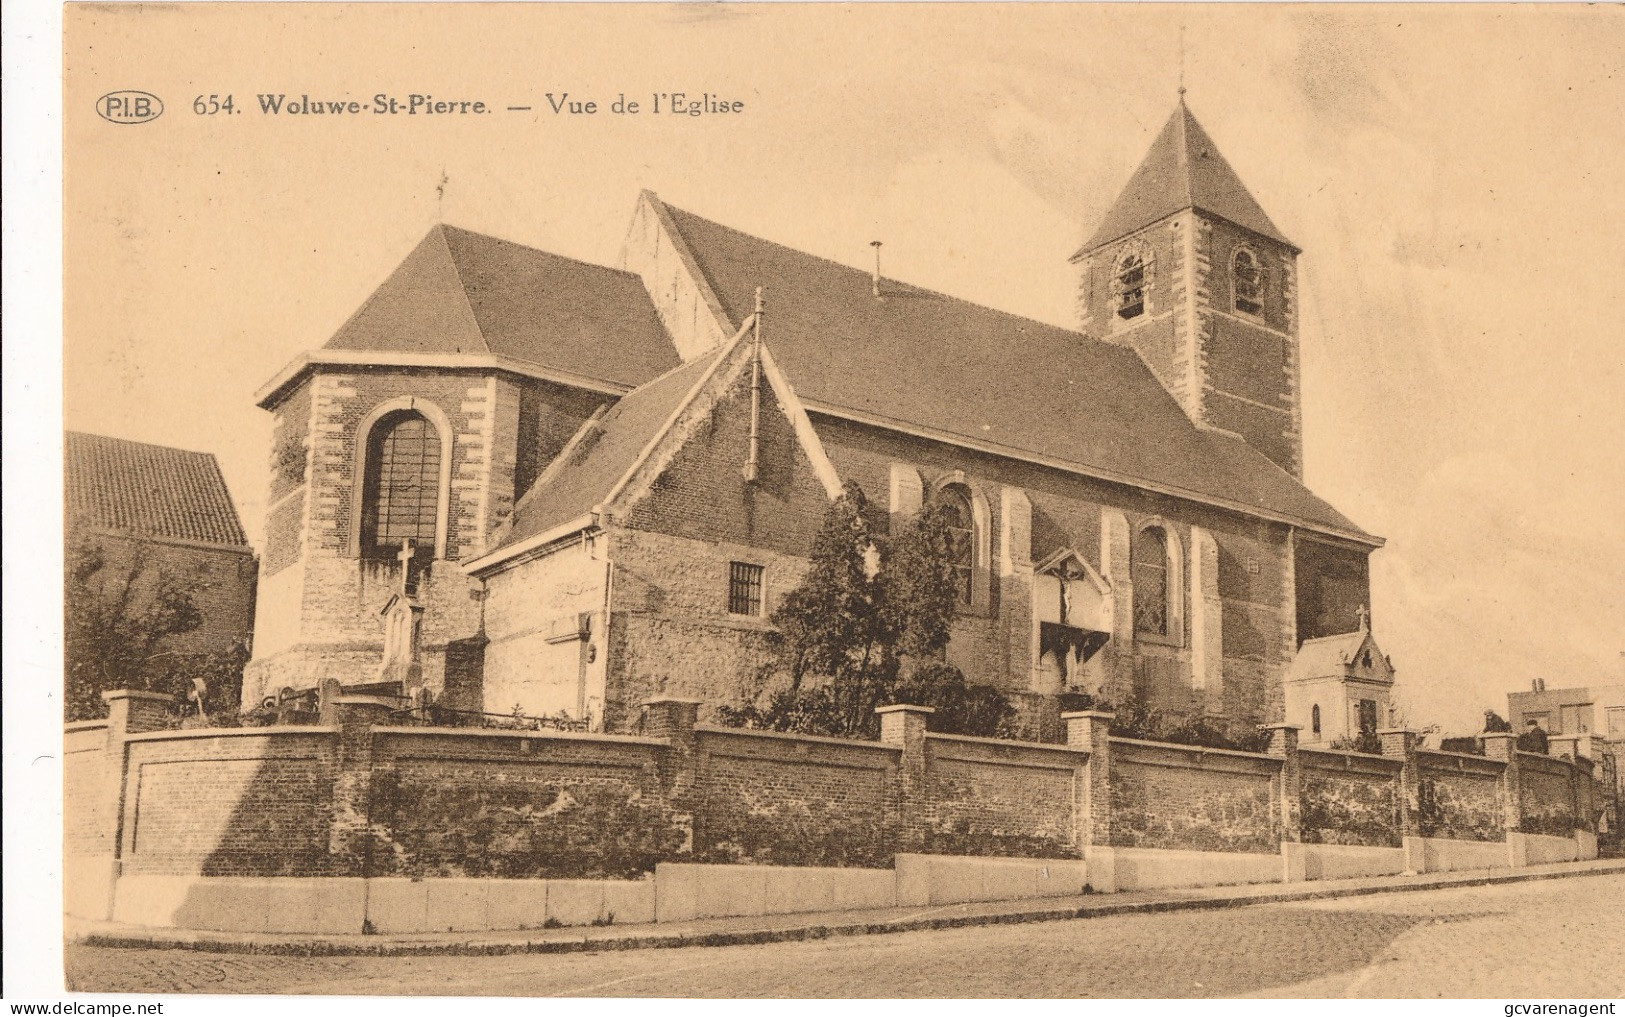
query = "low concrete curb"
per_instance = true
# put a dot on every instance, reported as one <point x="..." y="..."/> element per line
<point x="791" y="928"/>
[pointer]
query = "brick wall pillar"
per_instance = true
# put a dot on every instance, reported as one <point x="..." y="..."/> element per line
<point x="132" y="712"/>
<point x="1284" y="745"/>
<point x="1288" y="807"/>
<point x="673" y="718"/>
<point x="129" y="712"/>
<point x="1092" y="808"/>
<point x="349" y="843"/>
<point x="904" y="726"/>
<point x="1398" y="743"/>
<point x="1503" y="745"/>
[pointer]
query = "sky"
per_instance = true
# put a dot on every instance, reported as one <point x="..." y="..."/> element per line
<point x="1451" y="173"/>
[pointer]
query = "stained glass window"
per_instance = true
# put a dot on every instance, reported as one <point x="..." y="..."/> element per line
<point x="402" y="489"/>
<point x="1149" y="567"/>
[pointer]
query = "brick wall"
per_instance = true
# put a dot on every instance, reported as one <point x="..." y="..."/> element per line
<point x="999" y="798"/>
<point x="525" y="806"/>
<point x="1166" y="796"/>
<point x="219" y="579"/>
<point x="90" y="788"/>
<point x="361" y="799"/>
<point x="233" y="804"/>
<point x="1461" y="797"/>
<point x="1348" y="798"/>
<point x="1333" y="582"/>
<point x="775" y="800"/>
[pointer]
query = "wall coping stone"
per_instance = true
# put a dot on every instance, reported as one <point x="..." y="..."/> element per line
<point x="108" y="697"/>
<point x="84" y="725"/>
<point x="1080" y="714"/>
<point x="1391" y="762"/>
<point x="1283" y="726"/>
<point x="905" y="708"/>
<point x="672" y="699"/>
<point x="977" y="740"/>
<point x="496" y="732"/>
<point x="790" y="736"/>
<point x="230" y="732"/>
<point x="1176" y="746"/>
<point x="1469" y="756"/>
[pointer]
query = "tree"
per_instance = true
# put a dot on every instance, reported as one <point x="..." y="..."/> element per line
<point x="119" y="608"/>
<point x="867" y="627"/>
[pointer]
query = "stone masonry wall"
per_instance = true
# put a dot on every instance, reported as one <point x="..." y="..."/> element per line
<point x="1347" y="798"/>
<point x="1461" y="797"/>
<point x="1548" y="796"/>
<point x="1166" y="796"/>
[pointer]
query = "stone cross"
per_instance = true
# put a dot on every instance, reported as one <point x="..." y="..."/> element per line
<point x="405" y="557"/>
<point x="1365" y="618"/>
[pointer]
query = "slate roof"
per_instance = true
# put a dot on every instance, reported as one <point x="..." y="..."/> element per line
<point x="610" y="448"/>
<point x="464" y="292"/>
<point x="153" y="490"/>
<point x="1330" y="656"/>
<point x="1183" y="169"/>
<point x="927" y="360"/>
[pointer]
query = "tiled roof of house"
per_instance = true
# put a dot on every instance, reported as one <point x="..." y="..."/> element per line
<point x="925" y="360"/>
<point x="463" y="292"/>
<point x="1183" y="169"/>
<point x="153" y="490"/>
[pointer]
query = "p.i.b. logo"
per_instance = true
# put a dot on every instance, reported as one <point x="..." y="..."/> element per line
<point x="128" y="106"/>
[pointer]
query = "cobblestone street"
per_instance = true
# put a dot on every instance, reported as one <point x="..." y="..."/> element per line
<point x="1545" y="938"/>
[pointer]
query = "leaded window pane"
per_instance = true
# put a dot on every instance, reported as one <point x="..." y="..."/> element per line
<point x="1149" y="568"/>
<point x="402" y="490"/>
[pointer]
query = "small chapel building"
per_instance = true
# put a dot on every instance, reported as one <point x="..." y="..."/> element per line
<point x="586" y="485"/>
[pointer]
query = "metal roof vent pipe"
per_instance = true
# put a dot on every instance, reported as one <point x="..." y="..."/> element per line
<point x="874" y="285"/>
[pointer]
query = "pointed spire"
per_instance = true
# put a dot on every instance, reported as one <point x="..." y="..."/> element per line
<point x="1183" y="169"/>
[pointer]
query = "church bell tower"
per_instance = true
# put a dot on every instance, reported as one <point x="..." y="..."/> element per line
<point x="1188" y="270"/>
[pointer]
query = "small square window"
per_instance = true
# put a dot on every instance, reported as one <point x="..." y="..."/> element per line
<point x="744" y="588"/>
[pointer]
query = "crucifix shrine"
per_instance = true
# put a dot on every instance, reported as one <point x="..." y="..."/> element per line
<point x="403" y="629"/>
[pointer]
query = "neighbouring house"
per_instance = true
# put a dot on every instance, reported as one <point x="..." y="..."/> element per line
<point x="1588" y="720"/>
<point x="151" y="512"/>
<point x="560" y="487"/>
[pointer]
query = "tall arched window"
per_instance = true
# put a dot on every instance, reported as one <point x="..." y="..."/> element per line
<point x="955" y="500"/>
<point x="1149" y="567"/>
<point x="401" y="492"/>
<point x="1247" y="281"/>
<point x="1314" y="719"/>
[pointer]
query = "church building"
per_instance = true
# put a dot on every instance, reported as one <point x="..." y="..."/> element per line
<point x="563" y="488"/>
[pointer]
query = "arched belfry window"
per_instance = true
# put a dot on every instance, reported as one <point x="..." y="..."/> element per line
<point x="1130" y="279"/>
<point x="1154" y="565"/>
<point x="1247" y="281"/>
<point x="961" y="519"/>
<point x="401" y="490"/>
